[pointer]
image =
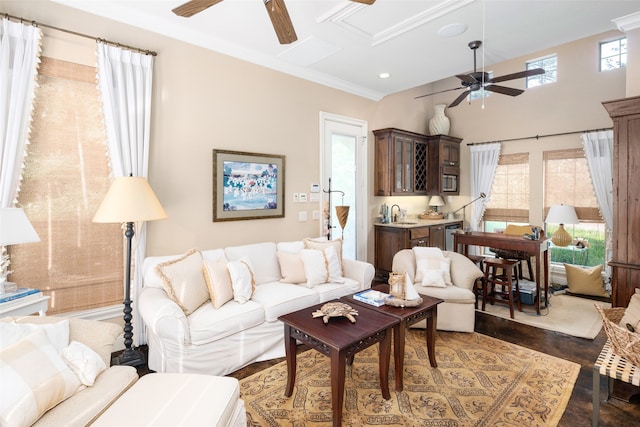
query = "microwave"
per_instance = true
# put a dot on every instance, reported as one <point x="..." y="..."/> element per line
<point x="449" y="183"/>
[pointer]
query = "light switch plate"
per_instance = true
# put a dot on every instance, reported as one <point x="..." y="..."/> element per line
<point x="303" y="198"/>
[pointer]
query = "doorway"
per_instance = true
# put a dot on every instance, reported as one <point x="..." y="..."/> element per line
<point x="343" y="149"/>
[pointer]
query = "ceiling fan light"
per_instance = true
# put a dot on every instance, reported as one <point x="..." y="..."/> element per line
<point x="384" y="75"/>
<point x="452" y="30"/>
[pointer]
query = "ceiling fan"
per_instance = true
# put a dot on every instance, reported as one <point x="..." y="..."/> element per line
<point x="276" y="9"/>
<point x="480" y="80"/>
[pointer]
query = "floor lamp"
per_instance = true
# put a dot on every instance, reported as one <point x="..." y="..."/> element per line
<point x="464" y="208"/>
<point x="129" y="199"/>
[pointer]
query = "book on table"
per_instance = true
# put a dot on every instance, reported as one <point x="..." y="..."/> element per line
<point x="371" y="296"/>
<point x="17" y="294"/>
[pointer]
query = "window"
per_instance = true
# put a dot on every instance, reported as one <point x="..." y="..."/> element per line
<point x="509" y="198"/>
<point x="550" y="66"/>
<point x="613" y="54"/>
<point x="78" y="263"/>
<point x="567" y="181"/>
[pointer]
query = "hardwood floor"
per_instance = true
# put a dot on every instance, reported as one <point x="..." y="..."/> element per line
<point x="614" y="413"/>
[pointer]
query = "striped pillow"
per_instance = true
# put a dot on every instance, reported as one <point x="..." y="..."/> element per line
<point x="37" y="377"/>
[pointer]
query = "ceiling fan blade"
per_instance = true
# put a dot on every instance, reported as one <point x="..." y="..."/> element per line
<point x="519" y="75"/>
<point x="503" y="90"/>
<point x="442" y="91"/>
<point x="365" y="1"/>
<point x="194" y="6"/>
<point x="281" y="21"/>
<point x="466" y="78"/>
<point x="459" y="99"/>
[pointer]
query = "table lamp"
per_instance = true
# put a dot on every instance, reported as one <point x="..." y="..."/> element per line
<point x="436" y="202"/>
<point x="562" y="214"/>
<point x="15" y="228"/>
<point x="129" y="199"/>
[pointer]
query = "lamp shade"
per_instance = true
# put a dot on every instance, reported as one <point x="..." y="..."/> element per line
<point x="562" y="214"/>
<point x="15" y="227"/>
<point x="436" y="201"/>
<point x="129" y="199"/>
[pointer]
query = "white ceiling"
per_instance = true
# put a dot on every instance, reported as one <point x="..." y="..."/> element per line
<point x="346" y="45"/>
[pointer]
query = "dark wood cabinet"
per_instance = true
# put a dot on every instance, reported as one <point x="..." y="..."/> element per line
<point x="625" y="263"/>
<point x="390" y="240"/>
<point x="400" y="163"/>
<point x="443" y="165"/>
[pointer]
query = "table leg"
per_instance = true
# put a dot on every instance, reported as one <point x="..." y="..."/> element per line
<point x="538" y="287"/>
<point x="385" y="353"/>
<point x="338" y="364"/>
<point x="399" y="334"/>
<point x="596" y="397"/>
<point x="546" y="277"/>
<point x="431" y="336"/>
<point x="290" y="352"/>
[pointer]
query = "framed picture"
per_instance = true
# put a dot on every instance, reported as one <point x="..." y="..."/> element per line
<point x="247" y="186"/>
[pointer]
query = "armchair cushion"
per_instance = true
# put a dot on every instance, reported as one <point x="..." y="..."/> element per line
<point x="432" y="268"/>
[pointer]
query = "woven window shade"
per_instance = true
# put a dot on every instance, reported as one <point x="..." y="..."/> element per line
<point x="78" y="263"/>
<point x="567" y="181"/>
<point x="510" y="190"/>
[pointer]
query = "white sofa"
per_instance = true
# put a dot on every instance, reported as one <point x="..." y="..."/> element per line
<point x="457" y="312"/>
<point x="218" y="341"/>
<point x="117" y="396"/>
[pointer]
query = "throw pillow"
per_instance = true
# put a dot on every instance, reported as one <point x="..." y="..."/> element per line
<point x="322" y="243"/>
<point x="184" y="282"/>
<point x="422" y="253"/>
<point x="632" y="312"/>
<point x="36" y="379"/>
<point x="216" y="275"/>
<point x="321" y="266"/>
<point x="292" y="268"/>
<point x="58" y="333"/>
<point x="433" y="271"/>
<point x="242" y="280"/>
<point x="585" y="281"/>
<point x="83" y="361"/>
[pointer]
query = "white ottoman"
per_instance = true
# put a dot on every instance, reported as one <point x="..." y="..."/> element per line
<point x="171" y="400"/>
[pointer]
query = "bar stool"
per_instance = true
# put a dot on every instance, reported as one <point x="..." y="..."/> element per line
<point x="500" y="281"/>
<point x="478" y="285"/>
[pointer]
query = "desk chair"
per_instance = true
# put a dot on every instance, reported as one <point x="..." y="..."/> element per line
<point x="519" y="256"/>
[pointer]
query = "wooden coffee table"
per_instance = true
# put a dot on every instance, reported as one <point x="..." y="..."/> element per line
<point x="340" y="340"/>
<point x="407" y="317"/>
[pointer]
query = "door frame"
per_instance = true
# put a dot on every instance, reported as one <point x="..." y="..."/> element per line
<point x="362" y="197"/>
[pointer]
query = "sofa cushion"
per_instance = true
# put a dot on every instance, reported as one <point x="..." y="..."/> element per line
<point x="586" y="281"/>
<point x="37" y="377"/>
<point x="282" y="298"/>
<point x="242" y="280"/>
<point x="426" y="261"/>
<point x="321" y="266"/>
<point x="150" y="275"/>
<point x="261" y="256"/>
<point x="451" y="294"/>
<point x="208" y="324"/>
<point x="216" y="274"/>
<point x="84" y="362"/>
<point x="57" y="332"/>
<point x="184" y="281"/>
<point x="321" y="243"/>
<point x="292" y="267"/>
<point x="290" y="247"/>
<point x="332" y="290"/>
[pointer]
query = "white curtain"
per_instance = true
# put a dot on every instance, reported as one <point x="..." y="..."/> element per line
<point x="598" y="149"/>
<point x="19" y="59"/>
<point x="125" y="82"/>
<point x="484" y="162"/>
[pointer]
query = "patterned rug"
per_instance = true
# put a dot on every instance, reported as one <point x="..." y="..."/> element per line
<point x="479" y="381"/>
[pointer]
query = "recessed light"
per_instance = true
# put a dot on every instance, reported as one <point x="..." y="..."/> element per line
<point x="384" y="75"/>
<point x="452" y="30"/>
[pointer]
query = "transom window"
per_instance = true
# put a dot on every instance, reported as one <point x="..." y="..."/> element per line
<point x="550" y="66"/>
<point x="613" y="54"/>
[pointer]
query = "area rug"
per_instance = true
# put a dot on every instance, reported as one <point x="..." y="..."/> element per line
<point x="567" y="314"/>
<point x="479" y="381"/>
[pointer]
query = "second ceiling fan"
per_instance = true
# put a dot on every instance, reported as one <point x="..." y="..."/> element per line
<point x="276" y="9"/>
<point x="481" y="80"/>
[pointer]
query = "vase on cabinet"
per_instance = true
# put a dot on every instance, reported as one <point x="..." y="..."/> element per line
<point x="439" y="123"/>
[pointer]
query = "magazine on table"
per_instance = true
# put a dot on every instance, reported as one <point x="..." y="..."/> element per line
<point x="371" y="296"/>
<point x="17" y="294"/>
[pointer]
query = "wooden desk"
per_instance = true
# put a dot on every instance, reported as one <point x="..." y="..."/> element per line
<point x="535" y="248"/>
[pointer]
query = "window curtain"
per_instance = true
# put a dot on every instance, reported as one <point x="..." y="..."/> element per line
<point x="19" y="58"/>
<point x="125" y="82"/>
<point x="598" y="149"/>
<point x="484" y="162"/>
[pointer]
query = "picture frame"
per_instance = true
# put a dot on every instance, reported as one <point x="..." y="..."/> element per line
<point x="247" y="185"/>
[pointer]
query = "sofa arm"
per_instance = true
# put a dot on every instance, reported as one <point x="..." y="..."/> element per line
<point x="163" y="317"/>
<point x="360" y="271"/>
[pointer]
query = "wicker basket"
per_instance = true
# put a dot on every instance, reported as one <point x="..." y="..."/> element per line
<point x="623" y="342"/>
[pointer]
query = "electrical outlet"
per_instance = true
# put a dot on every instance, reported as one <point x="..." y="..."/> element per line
<point x="296" y="197"/>
<point x="303" y="198"/>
